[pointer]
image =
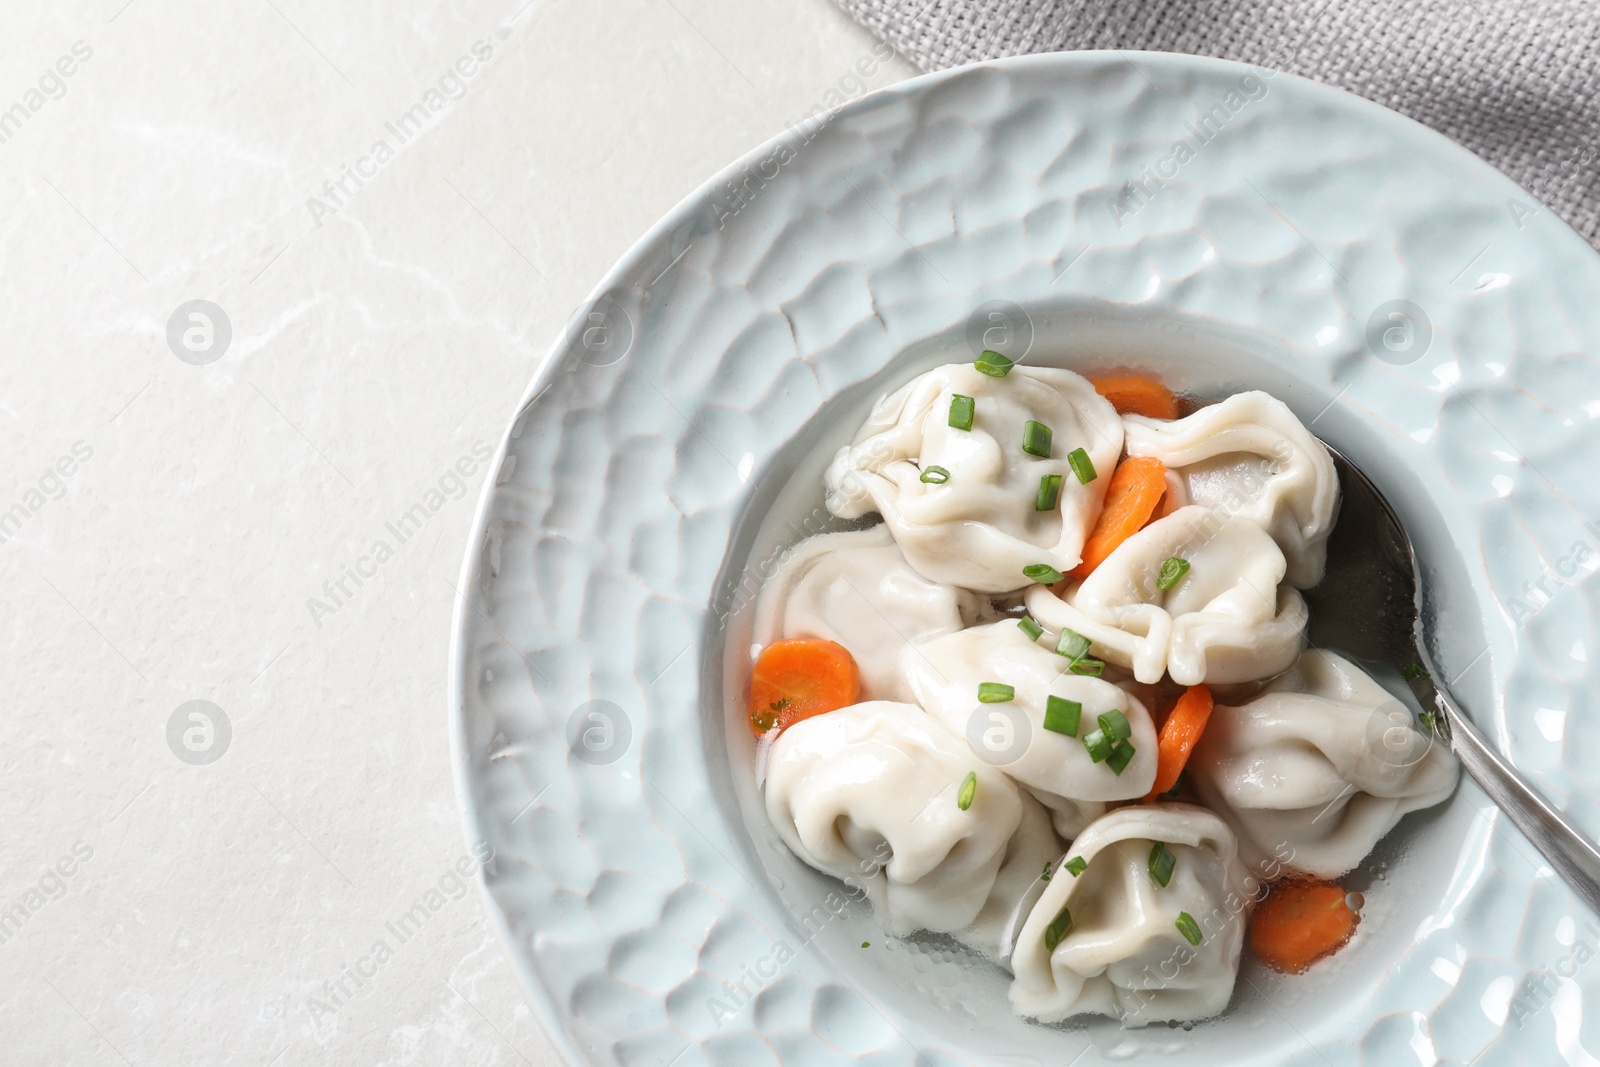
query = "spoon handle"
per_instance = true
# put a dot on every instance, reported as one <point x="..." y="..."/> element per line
<point x="1569" y="851"/>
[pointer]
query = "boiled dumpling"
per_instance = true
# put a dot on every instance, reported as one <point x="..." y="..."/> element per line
<point x="945" y="674"/>
<point x="979" y="527"/>
<point x="856" y="588"/>
<point x="869" y="794"/>
<point x="1249" y="456"/>
<point x="1318" y="766"/>
<point x="1033" y="849"/>
<point x="1226" y="620"/>
<point x="1124" y="952"/>
<point x="1072" y="819"/>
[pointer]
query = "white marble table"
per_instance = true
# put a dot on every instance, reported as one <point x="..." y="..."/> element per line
<point x="267" y="511"/>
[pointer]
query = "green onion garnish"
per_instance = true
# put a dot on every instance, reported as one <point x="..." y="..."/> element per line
<point x="969" y="789"/>
<point x="1092" y="667"/>
<point x="995" y="692"/>
<point x="1187" y="927"/>
<point x="1049" y="493"/>
<point x="1162" y="861"/>
<point x="1036" y="439"/>
<point x="1077" y="865"/>
<point x="1044" y="875"/>
<point x="1061" y="715"/>
<point x="1121" y="756"/>
<point x="1042" y="572"/>
<point x="1115" y="724"/>
<point x="1029" y="627"/>
<point x="1072" y="644"/>
<point x="1412" y="671"/>
<point x="1081" y="465"/>
<point x="935" y="475"/>
<point x="768" y="718"/>
<point x="1099" y="744"/>
<point x="866" y="944"/>
<point x="1058" y="928"/>
<point x="1429" y="721"/>
<point x="993" y="364"/>
<point x="1171" y="573"/>
<point x="961" y="411"/>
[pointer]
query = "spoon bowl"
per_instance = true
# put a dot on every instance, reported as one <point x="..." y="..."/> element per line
<point x="1369" y="607"/>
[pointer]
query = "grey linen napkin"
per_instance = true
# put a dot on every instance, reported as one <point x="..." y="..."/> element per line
<point x="1516" y="82"/>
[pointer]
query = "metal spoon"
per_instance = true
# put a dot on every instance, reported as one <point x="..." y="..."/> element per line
<point x="1367" y="607"/>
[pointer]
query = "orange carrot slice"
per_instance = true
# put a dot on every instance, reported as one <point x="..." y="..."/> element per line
<point x="1179" y="734"/>
<point x="1137" y="394"/>
<point x="796" y="679"/>
<point x="1137" y="485"/>
<point x="1301" y="921"/>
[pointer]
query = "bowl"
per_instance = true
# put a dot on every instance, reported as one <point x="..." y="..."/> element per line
<point x="1224" y="226"/>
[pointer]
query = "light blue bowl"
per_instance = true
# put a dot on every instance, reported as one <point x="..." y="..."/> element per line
<point x="1226" y="226"/>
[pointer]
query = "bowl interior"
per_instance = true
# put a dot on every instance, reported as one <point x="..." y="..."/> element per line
<point x="930" y="982"/>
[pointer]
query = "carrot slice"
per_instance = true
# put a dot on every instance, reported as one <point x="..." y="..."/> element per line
<point x="1137" y="394"/>
<point x="1301" y="921"/>
<point x="796" y="679"/>
<point x="1137" y="485"/>
<point x="1184" y="725"/>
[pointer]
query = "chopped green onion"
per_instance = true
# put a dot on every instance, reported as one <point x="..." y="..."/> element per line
<point x="767" y="718"/>
<point x="1058" y="928"/>
<point x="969" y="789"/>
<point x="1036" y="439"/>
<point x="1049" y="493"/>
<point x="993" y="364"/>
<point x="1042" y="572"/>
<point x="866" y="944"/>
<point x="1171" y="573"/>
<point x="1061" y="715"/>
<point x="1162" y="861"/>
<point x="1044" y="876"/>
<point x="1084" y="665"/>
<point x="995" y="692"/>
<point x="1429" y="721"/>
<point x="1115" y="723"/>
<point x="1031" y="628"/>
<point x="961" y="411"/>
<point x="1099" y="744"/>
<point x="1072" y="644"/>
<point x="1188" y="927"/>
<point x="1081" y="465"/>
<point x="1077" y="865"/>
<point x="934" y="474"/>
<point x="1121" y="756"/>
<point x="1412" y="671"/>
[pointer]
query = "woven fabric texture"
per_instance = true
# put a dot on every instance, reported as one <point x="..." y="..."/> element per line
<point x="1516" y="81"/>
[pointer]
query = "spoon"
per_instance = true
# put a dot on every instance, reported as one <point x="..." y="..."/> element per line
<point x="1367" y="607"/>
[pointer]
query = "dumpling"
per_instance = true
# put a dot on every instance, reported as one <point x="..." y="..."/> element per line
<point x="869" y="794"/>
<point x="1119" y="942"/>
<point x="979" y="527"/>
<point x="856" y="588"/>
<point x="1226" y="620"/>
<point x="1073" y="818"/>
<point x="1318" y="766"/>
<point x="1249" y="456"/>
<point x="1032" y="851"/>
<point x="1056" y="768"/>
